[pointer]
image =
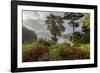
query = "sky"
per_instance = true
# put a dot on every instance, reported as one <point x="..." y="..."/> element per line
<point x="35" y="20"/>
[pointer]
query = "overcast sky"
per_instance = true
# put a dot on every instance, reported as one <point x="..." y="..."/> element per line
<point x="35" y="20"/>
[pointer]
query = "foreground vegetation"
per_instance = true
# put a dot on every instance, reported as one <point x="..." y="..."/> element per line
<point x="42" y="50"/>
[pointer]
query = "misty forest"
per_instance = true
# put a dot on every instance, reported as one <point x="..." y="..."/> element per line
<point x="55" y="36"/>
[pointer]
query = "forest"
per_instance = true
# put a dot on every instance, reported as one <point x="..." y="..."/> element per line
<point x="76" y="46"/>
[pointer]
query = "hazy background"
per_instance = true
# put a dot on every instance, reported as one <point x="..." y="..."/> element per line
<point x="35" y="21"/>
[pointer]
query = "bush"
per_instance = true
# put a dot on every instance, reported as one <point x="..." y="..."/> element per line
<point x="43" y="42"/>
<point x="35" y="43"/>
<point x="85" y="51"/>
<point x="75" y="54"/>
<point x="57" y="50"/>
<point x="51" y="42"/>
<point x="35" y="54"/>
<point x="80" y="52"/>
<point x="70" y="54"/>
<point x="76" y="37"/>
<point x="40" y="42"/>
<point x="85" y="47"/>
<point x="27" y="46"/>
<point x="85" y="37"/>
<point x="79" y="37"/>
<point x="84" y="55"/>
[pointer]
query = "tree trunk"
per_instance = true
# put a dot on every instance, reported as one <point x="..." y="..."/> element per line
<point x="73" y="32"/>
<point x="54" y="38"/>
<point x="73" y="29"/>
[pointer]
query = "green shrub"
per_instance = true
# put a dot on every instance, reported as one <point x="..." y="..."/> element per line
<point x="79" y="37"/>
<point x="85" y="51"/>
<point x="27" y="46"/>
<point x="76" y="37"/>
<point x="40" y="42"/>
<point x="37" y="43"/>
<point x="85" y="47"/>
<point x="51" y="42"/>
<point x="57" y="50"/>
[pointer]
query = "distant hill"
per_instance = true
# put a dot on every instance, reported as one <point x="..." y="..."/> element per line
<point x="28" y="35"/>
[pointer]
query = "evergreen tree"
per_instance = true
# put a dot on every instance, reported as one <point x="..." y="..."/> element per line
<point x="73" y="17"/>
<point x="55" y="25"/>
